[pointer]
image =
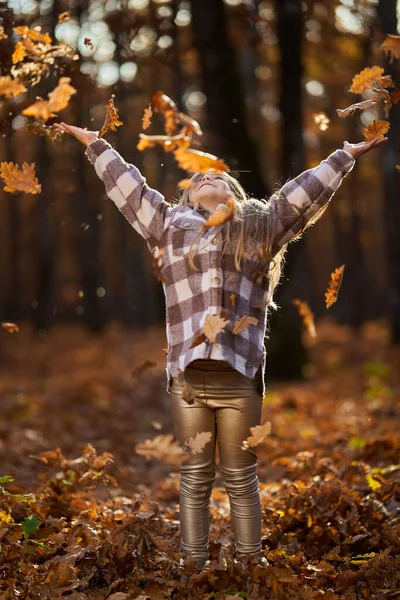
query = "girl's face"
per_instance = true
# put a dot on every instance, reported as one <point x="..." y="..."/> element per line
<point x="209" y="189"/>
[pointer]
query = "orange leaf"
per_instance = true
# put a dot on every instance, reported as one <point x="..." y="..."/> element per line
<point x="58" y="100"/>
<point x="146" y="119"/>
<point x="17" y="180"/>
<point x="259" y="433"/>
<point x="213" y="325"/>
<point x="364" y="80"/>
<point x="222" y="215"/>
<point x="376" y="130"/>
<point x="307" y="316"/>
<point x="19" y="52"/>
<point x="196" y="161"/>
<point x="334" y="286"/>
<point x="111" y="120"/>
<point x="63" y="17"/>
<point x="391" y="46"/>
<point x="2" y="34"/>
<point x="10" y="327"/>
<point x="199" y="339"/>
<point x="233" y="298"/>
<point x="243" y="323"/>
<point x="11" y="87"/>
<point x="185" y="184"/>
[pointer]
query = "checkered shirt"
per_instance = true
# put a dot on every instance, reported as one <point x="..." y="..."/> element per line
<point x="191" y="294"/>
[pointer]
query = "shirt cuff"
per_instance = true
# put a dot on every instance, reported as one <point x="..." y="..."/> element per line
<point x="348" y="154"/>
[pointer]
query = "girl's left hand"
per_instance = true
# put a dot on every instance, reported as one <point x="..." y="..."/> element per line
<point x="358" y="149"/>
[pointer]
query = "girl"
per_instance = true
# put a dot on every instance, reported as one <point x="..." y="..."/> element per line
<point x="233" y="268"/>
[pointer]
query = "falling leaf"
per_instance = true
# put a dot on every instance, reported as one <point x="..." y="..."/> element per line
<point x="373" y="483"/>
<point x="10" y="327"/>
<point x="138" y="371"/>
<point x="146" y="119"/>
<point x="11" y="87"/>
<point x="243" y="323"/>
<point x="58" y="100"/>
<point x="233" y="298"/>
<point x="163" y="448"/>
<point x="19" y="180"/>
<point x="3" y="36"/>
<point x="63" y="17"/>
<point x="111" y="120"/>
<point x="222" y="215"/>
<point x="376" y="130"/>
<point x="185" y="184"/>
<point x="198" y="443"/>
<point x="161" y="101"/>
<point x="157" y="263"/>
<point x="334" y="286"/>
<point x="88" y="42"/>
<point x="188" y="394"/>
<point x="213" y="325"/>
<point x="199" y="339"/>
<point x="391" y="46"/>
<point x="363" y="80"/>
<point x="258" y="435"/>
<point x="19" y="52"/>
<point x="307" y="316"/>
<point x="365" y="105"/>
<point x="39" y="128"/>
<point x="196" y="161"/>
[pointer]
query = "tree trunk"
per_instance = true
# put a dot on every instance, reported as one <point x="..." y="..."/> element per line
<point x="388" y="22"/>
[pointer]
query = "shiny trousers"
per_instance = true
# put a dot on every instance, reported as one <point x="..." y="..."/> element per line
<point x="227" y="404"/>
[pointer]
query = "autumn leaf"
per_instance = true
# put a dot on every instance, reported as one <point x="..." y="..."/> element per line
<point x="146" y="119"/>
<point x="19" y="180"/>
<point x="3" y="36"/>
<point x="213" y="325"/>
<point x="144" y="366"/>
<point x="19" y="52"/>
<point x="243" y="323"/>
<point x="365" y="105"/>
<point x="88" y="42"/>
<point x="39" y="128"/>
<point x="196" y="161"/>
<point x="222" y="215"/>
<point x="258" y="435"/>
<point x="199" y="339"/>
<point x="373" y="483"/>
<point x="307" y="316"/>
<point x="334" y="286"/>
<point x="391" y="46"/>
<point x="10" y="327"/>
<point x="111" y="120"/>
<point x="163" y="448"/>
<point x="164" y="103"/>
<point x="188" y="394"/>
<point x="376" y="130"/>
<point x="58" y="100"/>
<point x="364" y="80"/>
<point x="63" y="17"/>
<point x="198" y="443"/>
<point x="185" y="184"/>
<point x="11" y="87"/>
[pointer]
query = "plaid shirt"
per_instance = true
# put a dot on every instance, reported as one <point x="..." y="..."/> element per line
<point x="190" y="294"/>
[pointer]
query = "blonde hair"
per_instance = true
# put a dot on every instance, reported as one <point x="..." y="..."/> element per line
<point x="249" y="233"/>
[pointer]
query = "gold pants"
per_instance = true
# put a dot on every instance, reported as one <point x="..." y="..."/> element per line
<point x="227" y="404"/>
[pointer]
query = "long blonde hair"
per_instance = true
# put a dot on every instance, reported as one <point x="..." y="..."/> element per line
<point x="250" y="232"/>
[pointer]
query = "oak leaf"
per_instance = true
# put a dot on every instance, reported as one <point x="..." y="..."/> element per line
<point x="222" y="215"/>
<point x="185" y="184"/>
<point x="376" y="130"/>
<point x="196" y="161"/>
<point x="365" y="105"/>
<point x="161" y="101"/>
<point x="163" y="448"/>
<point x="58" y="100"/>
<point x="197" y="444"/>
<point x="307" y="316"/>
<point x="188" y="394"/>
<point x="258" y="435"/>
<point x="391" y="46"/>
<point x="334" y="286"/>
<point x="10" y="327"/>
<point x="111" y="120"/>
<point x="243" y="323"/>
<point x="364" y="80"/>
<point x="146" y="119"/>
<point x="199" y="339"/>
<point x="11" y="87"/>
<point x="213" y="325"/>
<point x="19" y="180"/>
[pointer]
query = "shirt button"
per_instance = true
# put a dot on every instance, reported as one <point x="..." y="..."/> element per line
<point x="216" y="280"/>
<point x="187" y="224"/>
<point x="248" y="365"/>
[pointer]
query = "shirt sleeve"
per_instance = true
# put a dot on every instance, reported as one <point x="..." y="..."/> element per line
<point x="145" y="209"/>
<point x="302" y="200"/>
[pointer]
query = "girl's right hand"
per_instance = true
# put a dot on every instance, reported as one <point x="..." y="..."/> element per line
<point x="82" y="135"/>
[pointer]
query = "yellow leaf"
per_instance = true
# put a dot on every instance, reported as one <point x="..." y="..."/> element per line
<point x="196" y="161"/>
<point x="17" y="180"/>
<point x="372" y="482"/>
<point x="58" y="100"/>
<point x="364" y="80"/>
<point x="5" y="517"/>
<point x="63" y="17"/>
<point x="10" y="87"/>
<point x="364" y="105"/>
<point x="163" y="448"/>
<point x="391" y="46"/>
<point x="334" y="286"/>
<point x="185" y="184"/>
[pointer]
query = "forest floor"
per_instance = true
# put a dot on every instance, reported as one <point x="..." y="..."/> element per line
<point x="86" y="517"/>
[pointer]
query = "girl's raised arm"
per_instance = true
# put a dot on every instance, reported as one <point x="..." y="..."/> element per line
<point x="145" y="208"/>
<point x="302" y="200"/>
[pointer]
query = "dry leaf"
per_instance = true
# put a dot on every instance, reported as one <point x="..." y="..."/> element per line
<point x="19" y="52"/>
<point x="19" y="180"/>
<point x="199" y="339"/>
<point x="243" y="323"/>
<point x="58" y="100"/>
<point x="334" y="286"/>
<point x="222" y="215"/>
<point x="376" y="130"/>
<point x="391" y="46"/>
<point x="185" y="184"/>
<point x="258" y="435"/>
<point x="111" y="120"/>
<point x="39" y="128"/>
<point x="365" y="105"/>
<point x="307" y="316"/>
<point x="363" y="80"/>
<point x="146" y="119"/>
<point x="188" y="394"/>
<point x="233" y="298"/>
<point x="3" y="36"/>
<point x="10" y="327"/>
<point x="163" y="448"/>
<point x="138" y="371"/>
<point x="157" y="263"/>
<point x="196" y="161"/>
<point x="197" y="444"/>
<point x="63" y="17"/>
<point x="161" y="101"/>
<point x="213" y="325"/>
<point x="11" y="87"/>
<point x="88" y="42"/>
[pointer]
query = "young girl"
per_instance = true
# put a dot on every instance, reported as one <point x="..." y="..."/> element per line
<point x="233" y="268"/>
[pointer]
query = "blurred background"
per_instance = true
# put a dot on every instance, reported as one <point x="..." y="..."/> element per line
<point x="264" y="79"/>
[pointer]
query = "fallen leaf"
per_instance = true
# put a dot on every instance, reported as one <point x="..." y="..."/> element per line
<point x="111" y="120"/>
<point x="213" y="325"/>
<point x="163" y="448"/>
<point x="10" y="327"/>
<point x="334" y="286"/>
<point x="19" y="52"/>
<point x="258" y="435"/>
<point x="146" y="119"/>
<point x="307" y="316"/>
<point x="199" y="339"/>
<point x="233" y="298"/>
<point x="185" y="184"/>
<point x="243" y="323"/>
<point x="19" y="180"/>
<point x="363" y="80"/>
<point x="144" y="366"/>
